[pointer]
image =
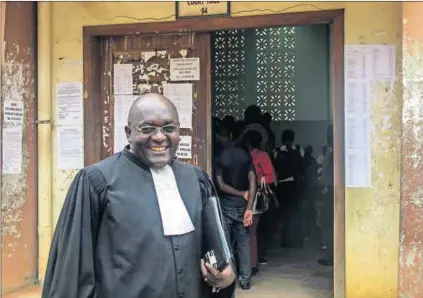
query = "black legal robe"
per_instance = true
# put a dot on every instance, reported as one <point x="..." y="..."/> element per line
<point x="109" y="240"/>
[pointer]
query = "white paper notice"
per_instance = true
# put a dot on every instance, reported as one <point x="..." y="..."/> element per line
<point x="69" y="103"/>
<point x="185" y="69"/>
<point x="70" y="147"/>
<point x="13" y="113"/>
<point x="357" y="173"/>
<point x="12" y="150"/>
<point x="357" y="63"/>
<point x="370" y="62"/>
<point x="185" y="148"/>
<point x="122" y="79"/>
<point x="383" y="60"/>
<point x="358" y="75"/>
<point x="181" y="96"/>
<point x="121" y="110"/>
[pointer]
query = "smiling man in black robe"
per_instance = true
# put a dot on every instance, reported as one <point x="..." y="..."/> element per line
<point x="131" y="225"/>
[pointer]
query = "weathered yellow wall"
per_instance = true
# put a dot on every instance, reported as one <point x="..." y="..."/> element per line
<point x="372" y="215"/>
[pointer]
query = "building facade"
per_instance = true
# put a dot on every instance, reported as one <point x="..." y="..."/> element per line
<point x="379" y="235"/>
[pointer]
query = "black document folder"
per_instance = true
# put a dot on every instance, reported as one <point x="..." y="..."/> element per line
<point x="218" y="253"/>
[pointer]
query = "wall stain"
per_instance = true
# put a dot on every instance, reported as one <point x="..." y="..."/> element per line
<point x="411" y="241"/>
<point x="17" y="76"/>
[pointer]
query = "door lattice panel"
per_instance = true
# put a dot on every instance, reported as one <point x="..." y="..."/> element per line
<point x="271" y="70"/>
<point x="289" y="73"/>
<point x="228" y="72"/>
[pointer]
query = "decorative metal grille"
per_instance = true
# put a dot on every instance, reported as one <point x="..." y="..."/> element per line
<point x="289" y="73"/>
<point x="228" y="72"/>
<point x="274" y="72"/>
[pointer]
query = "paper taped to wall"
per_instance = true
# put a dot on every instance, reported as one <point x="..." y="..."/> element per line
<point x="181" y="96"/>
<point x="121" y="109"/>
<point x="122" y="79"/>
<point x="185" y="148"/>
<point x="70" y="147"/>
<point x="69" y="107"/>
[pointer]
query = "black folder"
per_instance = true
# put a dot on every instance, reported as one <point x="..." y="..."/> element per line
<point x="218" y="253"/>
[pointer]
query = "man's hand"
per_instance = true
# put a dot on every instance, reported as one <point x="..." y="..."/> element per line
<point x="215" y="278"/>
<point x="248" y="218"/>
<point x="246" y="196"/>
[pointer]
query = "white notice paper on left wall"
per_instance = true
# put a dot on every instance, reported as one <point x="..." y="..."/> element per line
<point x="70" y="147"/>
<point x="13" y="111"/>
<point x="12" y="150"/>
<point x="69" y="103"/>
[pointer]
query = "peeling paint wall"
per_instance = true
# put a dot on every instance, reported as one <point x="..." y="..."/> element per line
<point x="411" y="258"/>
<point x="19" y="191"/>
<point x="372" y="215"/>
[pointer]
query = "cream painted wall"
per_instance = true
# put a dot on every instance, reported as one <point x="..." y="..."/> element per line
<point x="372" y="214"/>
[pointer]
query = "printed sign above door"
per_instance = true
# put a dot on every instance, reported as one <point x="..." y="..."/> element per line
<point x="195" y="9"/>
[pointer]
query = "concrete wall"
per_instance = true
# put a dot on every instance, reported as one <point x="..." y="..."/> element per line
<point x="372" y="214"/>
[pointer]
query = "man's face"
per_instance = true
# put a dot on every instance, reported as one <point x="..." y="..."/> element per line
<point x="154" y="134"/>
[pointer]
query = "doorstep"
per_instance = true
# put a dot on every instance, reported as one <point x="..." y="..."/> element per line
<point x="31" y="292"/>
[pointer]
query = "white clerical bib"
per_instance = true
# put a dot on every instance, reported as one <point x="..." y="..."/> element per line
<point x="175" y="217"/>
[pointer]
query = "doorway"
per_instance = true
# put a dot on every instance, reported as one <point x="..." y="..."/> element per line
<point x="107" y="40"/>
<point x="285" y="71"/>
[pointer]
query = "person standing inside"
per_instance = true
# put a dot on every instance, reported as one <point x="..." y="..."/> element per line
<point x="328" y="201"/>
<point x="253" y="120"/>
<point x="267" y="120"/>
<point x="236" y="182"/>
<point x="288" y="165"/>
<point x="129" y="227"/>
<point x="260" y="230"/>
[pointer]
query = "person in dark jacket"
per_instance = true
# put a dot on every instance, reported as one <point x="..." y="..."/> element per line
<point x="130" y="226"/>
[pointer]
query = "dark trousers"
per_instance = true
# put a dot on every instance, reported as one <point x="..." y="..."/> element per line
<point x="291" y="214"/>
<point x="264" y="233"/>
<point x="327" y="222"/>
<point x="240" y="240"/>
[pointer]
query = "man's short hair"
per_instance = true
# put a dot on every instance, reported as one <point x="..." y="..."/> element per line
<point x="288" y="135"/>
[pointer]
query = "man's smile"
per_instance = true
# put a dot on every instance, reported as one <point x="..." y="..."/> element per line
<point x="158" y="148"/>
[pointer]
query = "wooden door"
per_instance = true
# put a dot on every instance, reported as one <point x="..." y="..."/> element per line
<point x="150" y="57"/>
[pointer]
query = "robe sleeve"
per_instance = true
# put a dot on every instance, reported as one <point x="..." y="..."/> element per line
<point x="70" y="271"/>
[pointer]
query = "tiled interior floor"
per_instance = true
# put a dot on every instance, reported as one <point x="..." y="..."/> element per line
<point x="291" y="274"/>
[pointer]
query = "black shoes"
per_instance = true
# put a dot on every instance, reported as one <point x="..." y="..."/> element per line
<point x="325" y="262"/>
<point x="263" y="260"/>
<point x="254" y="271"/>
<point x="245" y="286"/>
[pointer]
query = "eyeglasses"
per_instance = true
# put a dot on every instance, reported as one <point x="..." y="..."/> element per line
<point x="152" y="130"/>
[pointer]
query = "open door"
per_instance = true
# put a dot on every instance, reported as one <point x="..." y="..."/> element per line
<point x="134" y="65"/>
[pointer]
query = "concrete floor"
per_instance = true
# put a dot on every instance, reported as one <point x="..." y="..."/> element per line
<point x="288" y="274"/>
<point x="291" y="274"/>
